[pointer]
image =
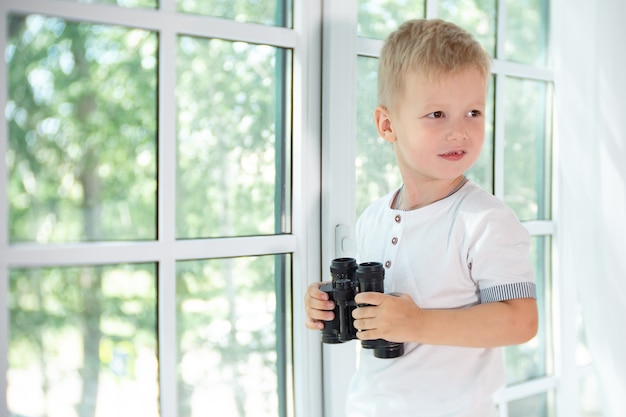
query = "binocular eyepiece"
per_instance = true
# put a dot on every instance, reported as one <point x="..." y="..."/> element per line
<point x="348" y="279"/>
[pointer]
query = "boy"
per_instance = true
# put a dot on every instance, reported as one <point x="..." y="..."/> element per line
<point x="455" y="257"/>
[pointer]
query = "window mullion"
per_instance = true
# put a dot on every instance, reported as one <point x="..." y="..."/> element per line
<point x="498" y="146"/>
<point x="167" y="137"/>
<point x="4" y="335"/>
<point x="167" y="349"/>
<point x="166" y="223"/>
<point x="338" y="119"/>
<point x="338" y="174"/>
<point x="306" y="189"/>
<point x="431" y="8"/>
<point x="499" y="131"/>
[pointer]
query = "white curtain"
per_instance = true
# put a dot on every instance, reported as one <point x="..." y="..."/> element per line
<point x="590" y="63"/>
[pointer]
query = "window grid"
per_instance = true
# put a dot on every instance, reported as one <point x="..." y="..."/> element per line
<point x="166" y="250"/>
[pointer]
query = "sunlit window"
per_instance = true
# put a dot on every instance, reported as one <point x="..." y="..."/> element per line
<point x="148" y="190"/>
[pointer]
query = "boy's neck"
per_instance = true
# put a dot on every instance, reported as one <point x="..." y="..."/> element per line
<point x="414" y="196"/>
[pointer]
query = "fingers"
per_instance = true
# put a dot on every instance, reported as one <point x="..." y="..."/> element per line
<point x="317" y="306"/>
<point x="365" y="322"/>
<point x="367" y="335"/>
<point x="313" y="290"/>
<point x="313" y="324"/>
<point x="384" y="316"/>
<point x="372" y="298"/>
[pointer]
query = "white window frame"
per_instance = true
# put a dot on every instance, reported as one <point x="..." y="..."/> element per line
<point x="303" y="243"/>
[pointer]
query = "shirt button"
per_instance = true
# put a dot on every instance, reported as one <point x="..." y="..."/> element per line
<point x="388" y="264"/>
<point x="394" y="241"/>
<point x="398" y="218"/>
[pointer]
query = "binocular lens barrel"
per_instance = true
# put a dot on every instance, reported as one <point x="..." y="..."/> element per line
<point x="371" y="277"/>
<point x="341" y="290"/>
<point x="346" y="277"/>
<point x="342" y="269"/>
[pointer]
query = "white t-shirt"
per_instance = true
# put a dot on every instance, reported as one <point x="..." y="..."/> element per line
<point x="460" y="251"/>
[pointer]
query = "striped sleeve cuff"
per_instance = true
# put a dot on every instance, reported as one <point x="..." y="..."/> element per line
<point x="508" y="292"/>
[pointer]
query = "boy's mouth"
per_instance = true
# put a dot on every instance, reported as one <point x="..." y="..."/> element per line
<point x="453" y="155"/>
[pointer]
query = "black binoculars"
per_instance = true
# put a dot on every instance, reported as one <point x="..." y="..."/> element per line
<point x="347" y="278"/>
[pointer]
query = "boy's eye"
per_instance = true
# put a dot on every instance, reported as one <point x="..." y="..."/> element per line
<point x="474" y="113"/>
<point x="436" y="114"/>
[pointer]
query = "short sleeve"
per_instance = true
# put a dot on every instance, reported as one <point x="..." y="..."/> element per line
<point x="499" y="257"/>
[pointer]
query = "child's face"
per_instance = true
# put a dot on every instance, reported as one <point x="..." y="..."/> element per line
<point x="438" y="127"/>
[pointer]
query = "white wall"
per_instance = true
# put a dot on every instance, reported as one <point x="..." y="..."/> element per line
<point x="590" y="63"/>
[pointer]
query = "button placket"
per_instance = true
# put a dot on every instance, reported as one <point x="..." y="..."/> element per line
<point x="391" y="251"/>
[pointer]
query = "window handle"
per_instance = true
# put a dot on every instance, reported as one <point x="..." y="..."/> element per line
<point x="345" y="245"/>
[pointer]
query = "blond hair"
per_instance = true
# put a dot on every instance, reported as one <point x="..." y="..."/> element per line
<point x="430" y="47"/>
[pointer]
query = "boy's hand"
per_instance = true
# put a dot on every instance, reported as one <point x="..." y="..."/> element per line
<point x="317" y="306"/>
<point x="391" y="316"/>
<point x="399" y="319"/>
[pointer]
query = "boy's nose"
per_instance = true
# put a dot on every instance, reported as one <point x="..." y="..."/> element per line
<point x="457" y="131"/>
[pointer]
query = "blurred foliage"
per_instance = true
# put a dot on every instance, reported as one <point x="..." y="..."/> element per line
<point x="82" y="131"/>
<point x="93" y="323"/>
<point x="228" y="331"/>
<point x="476" y="16"/>
<point x="231" y="98"/>
<point x="527" y="153"/>
<point x="526" y="23"/>
<point x="375" y="165"/>
<point x="81" y="115"/>
<point x="527" y="31"/>
<point x="82" y="164"/>
<point x="378" y="18"/>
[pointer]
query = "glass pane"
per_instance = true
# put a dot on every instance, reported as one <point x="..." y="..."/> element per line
<point x="476" y="16"/>
<point x="534" y="358"/>
<point x="82" y="342"/>
<point x="482" y="171"/>
<point x="527" y="152"/>
<point x="233" y="322"/>
<point x="527" y="31"/>
<point x="267" y="12"/>
<point x="151" y="4"/>
<point x="378" y="18"/>
<point x="376" y="168"/>
<point x="233" y="147"/>
<point x="540" y="405"/>
<point x="81" y="111"/>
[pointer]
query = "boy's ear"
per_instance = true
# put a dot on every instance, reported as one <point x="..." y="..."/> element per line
<point x="383" y="124"/>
